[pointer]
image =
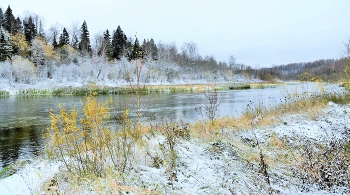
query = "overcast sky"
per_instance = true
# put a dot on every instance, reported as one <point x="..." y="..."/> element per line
<point x="257" y="32"/>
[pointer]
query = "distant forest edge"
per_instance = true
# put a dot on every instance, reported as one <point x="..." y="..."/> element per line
<point x="29" y="54"/>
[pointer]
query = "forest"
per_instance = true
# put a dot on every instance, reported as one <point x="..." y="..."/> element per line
<point x="30" y="54"/>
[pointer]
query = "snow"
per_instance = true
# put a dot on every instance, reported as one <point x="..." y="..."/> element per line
<point x="29" y="179"/>
<point x="210" y="167"/>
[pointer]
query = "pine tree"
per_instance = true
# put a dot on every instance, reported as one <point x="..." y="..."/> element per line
<point x="150" y="49"/>
<point x="9" y="20"/>
<point x="29" y="30"/>
<point x="54" y="43"/>
<point x="118" y="43"/>
<point x="2" y="18"/>
<point x="84" y="44"/>
<point x="137" y="52"/>
<point x="154" y="52"/>
<point x="19" y="26"/>
<point x="107" y="44"/>
<point x="75" y="42"/>
<point x="64" y="38"/>
<point x="5" y="46"/>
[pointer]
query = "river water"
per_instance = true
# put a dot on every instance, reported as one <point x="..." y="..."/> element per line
<point x="24" y="120"/>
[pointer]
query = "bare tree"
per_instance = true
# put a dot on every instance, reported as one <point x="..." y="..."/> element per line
<point x="53" y="31"/>
<point x="210" y="107"/>
<point x="74" y="30"/>
<point x="189" y="49"/>
<point x="167" y="52"/>
<point x="35" y="17"/>
<point x="232" y="62"/>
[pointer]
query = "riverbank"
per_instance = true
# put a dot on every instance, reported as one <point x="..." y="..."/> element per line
<point x="77" y="89"/>
<point x="257" y="158"/>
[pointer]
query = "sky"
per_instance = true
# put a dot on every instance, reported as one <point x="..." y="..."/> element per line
<point x="259" y="33"/>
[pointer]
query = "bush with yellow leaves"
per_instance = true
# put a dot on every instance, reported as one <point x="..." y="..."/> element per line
<point x="89" y="146"/>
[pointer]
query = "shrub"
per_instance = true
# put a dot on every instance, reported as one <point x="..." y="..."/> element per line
<point x="89" y="145"/>
<point x="327" y="166"/>
<point x="24" y="70"/>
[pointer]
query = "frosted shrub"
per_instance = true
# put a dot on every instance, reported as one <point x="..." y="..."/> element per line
<point x="5" y="72"/>
<point x="71" y="72"/>
<point x="327" y="166"/>
<point x="24" y="70"/>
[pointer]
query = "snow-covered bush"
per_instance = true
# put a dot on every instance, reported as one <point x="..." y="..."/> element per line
<point x="24" y="71"/>
<point x="5" y="72"/>
<point x="327" y="165"/>
<point x="68" y="72"/>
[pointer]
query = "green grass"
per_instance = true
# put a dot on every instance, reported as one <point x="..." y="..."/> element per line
<point x="7" y="171"/>
<point x="4" y="93"/>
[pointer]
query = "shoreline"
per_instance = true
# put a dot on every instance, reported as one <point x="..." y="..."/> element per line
<point x="76" y="89"/>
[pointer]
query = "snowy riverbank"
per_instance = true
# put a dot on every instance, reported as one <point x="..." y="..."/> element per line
<point x="208" y="167"/>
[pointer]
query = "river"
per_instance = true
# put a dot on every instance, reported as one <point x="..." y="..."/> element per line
<point x="24" y="120"/>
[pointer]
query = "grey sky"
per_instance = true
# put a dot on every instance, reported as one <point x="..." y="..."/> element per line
<point x="263" y="32"/>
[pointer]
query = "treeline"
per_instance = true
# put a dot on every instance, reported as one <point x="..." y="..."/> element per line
<point x="17" y="37"/>
<point x="26" y="41"/>
<point x="325" y="70"/>
<point x="29" y="53"/>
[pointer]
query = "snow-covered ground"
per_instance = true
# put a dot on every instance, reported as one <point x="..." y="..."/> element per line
<point x="211" y="167"/>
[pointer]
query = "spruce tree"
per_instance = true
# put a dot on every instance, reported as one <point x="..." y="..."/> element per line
<point x="64" y="38"/>
<point x="5" y="46"/>
<point x="154" y="50"/>
<point x="29" y="29"/>
<point x="118" y="43"/>
<point x="75" y="42"/>
<point x="107" y="45"/>
<point x="84" y="44"/>
<point x="2" y="18"/>
<point x="54" y="42"/>
<point x="137" y="52"/>
<point x="19" y="26"/>
<point x="9" y="20"/>
<point x="150" y="49"/>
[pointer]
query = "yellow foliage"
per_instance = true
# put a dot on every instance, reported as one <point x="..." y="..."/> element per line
<point x="20" y="44"/>
<point x="229" y="73"/>
<point x="85" y="144"/>
<point x="83" y="141"/>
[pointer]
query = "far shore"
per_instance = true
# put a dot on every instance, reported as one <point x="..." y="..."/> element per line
<point x="74" y="88"/>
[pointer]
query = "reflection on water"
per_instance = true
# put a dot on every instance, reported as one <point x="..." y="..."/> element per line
<point x="23" y="120"/>
<point x="19" y="142"/>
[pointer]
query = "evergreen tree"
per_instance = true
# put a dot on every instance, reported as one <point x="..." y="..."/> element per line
<point x="150" y="49"/>
<point x="2" y="18"/>
<point x="9" y="20"/>
<point x="107" y="44"/>
<point x="84" y="44"/>
<point x="154" y="52"/>
<point x="29" y="29"/>
<point x="137" y="52"/>
<point x="19" y="26"/>
<point x="5" y="46"/>
<point x="118" y="43"/>
<point x="75" y="42"/>
<point x="54" y="43"/>
<point x="64" y="38"/>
